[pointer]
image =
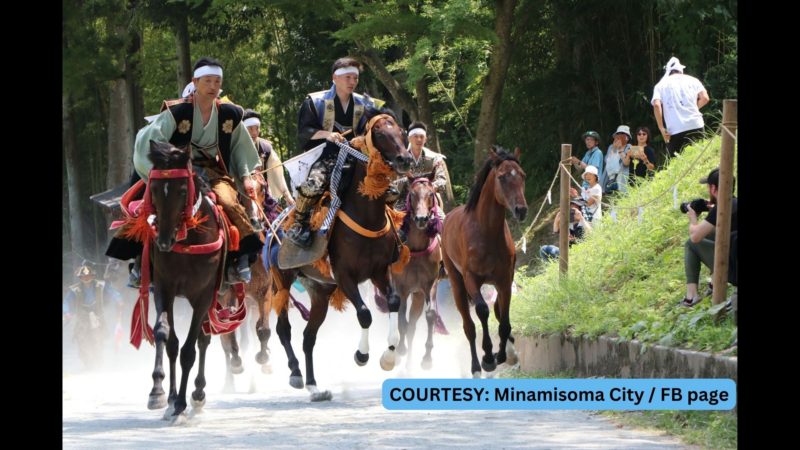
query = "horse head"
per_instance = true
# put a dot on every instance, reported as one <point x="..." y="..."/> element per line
<point x="421" y="201"/>
<point x="390" y="140"/>
<point x="171" y="189"/>
<point x="509" y="186"/>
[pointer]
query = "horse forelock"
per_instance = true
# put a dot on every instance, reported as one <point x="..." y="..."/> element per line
<point x="167" y="156"/>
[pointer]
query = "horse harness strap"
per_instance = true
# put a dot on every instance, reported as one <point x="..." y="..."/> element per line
<point x="353" y="225"/>
<point x="431" y="247"/>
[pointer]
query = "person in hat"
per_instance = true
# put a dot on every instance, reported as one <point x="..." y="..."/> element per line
<point x="593" y="195"/>
<point x="677" y="100"/>
<point x="578" y="226"/>
<point x="699" y="248"/>
<point x="222" y="153"/>
<point x="614" y="176"/>
<point x="593" y="155"/>
<point x="87" y="300"/>
<point x="327" y="116"/>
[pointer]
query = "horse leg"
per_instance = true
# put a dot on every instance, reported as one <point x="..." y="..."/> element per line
<point x="430" y="318"/>
<point x="402" y="323"/>
<point x="350" y="289"/>
<point x="199" y="396"/>
<point x="172" y="354"/>
<point x="417" y="303"/>
<point x="460" y="298"/>
<point x="473" y="287"/>
<point x="162" y="332"/>
<point x="226" y="341"/>
<point x="507" y="352"/>
<point x="263" y="332"/>
<point x="381" y="280"/>
<point x="319" y="309"/>
<point x="188" y="354"/>
<point x="284" y="329"/>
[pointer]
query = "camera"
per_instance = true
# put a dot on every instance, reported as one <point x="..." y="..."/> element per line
<point x="699" y="205"/>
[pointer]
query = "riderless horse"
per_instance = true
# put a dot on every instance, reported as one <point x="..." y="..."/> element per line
<point x="361" y="247"/>
<point x="478" y="250"/>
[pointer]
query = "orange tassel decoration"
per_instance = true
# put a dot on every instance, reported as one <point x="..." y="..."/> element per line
<point x="405" y="256"/>
<point x="338" y="300"/>
<point x="137" y="229"/>
<point x="396" y="216"/>
<point x="323" y="265"/>
<point x="280" y="298"/>
<point x="379" y="175"/>
<point x="233" y="232"/>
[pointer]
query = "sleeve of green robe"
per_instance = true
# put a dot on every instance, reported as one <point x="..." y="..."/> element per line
<point x="159" y="130"/>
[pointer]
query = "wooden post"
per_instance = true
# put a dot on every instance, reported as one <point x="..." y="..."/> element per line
<point x="563" y="225"/>
<point x="725" y="191"/>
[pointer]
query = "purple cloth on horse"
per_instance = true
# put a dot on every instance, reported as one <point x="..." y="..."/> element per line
<point x="270" y="208"/>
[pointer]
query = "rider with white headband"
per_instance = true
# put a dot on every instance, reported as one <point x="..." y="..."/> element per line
<point x="679" y="97"/>
<point x="425" y="162"/>
<point x="327" y="115"/>
<point x="222" y="151"/>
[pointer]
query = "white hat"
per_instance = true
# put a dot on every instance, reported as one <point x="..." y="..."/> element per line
<point x="624" y="129"/>
<point x="589" y="169"/>
<point x="674" y="64"/>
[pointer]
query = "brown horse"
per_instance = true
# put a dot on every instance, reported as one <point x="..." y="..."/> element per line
<point x="422" y="226"/>
<point x="180" y="270"/>
<point x="353" y="258"/>
<point x="257" y="295"/>
<point x="478" y="250"/>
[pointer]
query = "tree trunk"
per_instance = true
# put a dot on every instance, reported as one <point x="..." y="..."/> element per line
<point x="71" y="163"/>
<point x="184" y="61"/>
<point x="493" y="86"/>
<point x="120" y="134"/>
<point x="426" y="113"/>
<point x="132" y="77"/>
<point x="383" y="75"/>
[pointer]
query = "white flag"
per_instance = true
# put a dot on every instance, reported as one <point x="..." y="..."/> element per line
<point x="299" y="166"/>
<point x="525" y="244"/>
<point x="549" y="199"/>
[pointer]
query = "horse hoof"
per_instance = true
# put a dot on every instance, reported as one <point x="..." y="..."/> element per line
<point x="488" y="366"/>
<point x="180" y="419"/>
<point x="236" y="370"/>
<point x="168" y="413"/>
<point x="500" y="358"/>
<point x="266" y="368"/>
<point x="296" y="381"/>
<point x="198" y="404"/>
<point x="388" y="360"/>
<point x="476" y="374"/>
<point x="361" y="358"/>
<point x="401" y="349"/>
<point x="262" y="358"/>
<point x="511" y="352"/>
<point x="427" y="363"/>
<point x="323" y="396"/>
<point x="157" y="401"/>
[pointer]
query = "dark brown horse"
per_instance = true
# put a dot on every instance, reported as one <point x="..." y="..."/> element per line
<point x="179" y="269"/>
<point x="353" y="258"/>
<point x="422" y="226"/>
<point x="478" y="250"/>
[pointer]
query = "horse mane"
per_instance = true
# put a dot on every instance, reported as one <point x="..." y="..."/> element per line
<point x="167" y="156"/>
<point x="480" y="177"/>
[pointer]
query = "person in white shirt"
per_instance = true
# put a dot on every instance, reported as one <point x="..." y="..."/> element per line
<point x="593" y="195"/>
<point x="677" y="99"/>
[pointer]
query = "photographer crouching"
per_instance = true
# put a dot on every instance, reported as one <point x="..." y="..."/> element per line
<point x="700" y="246"/>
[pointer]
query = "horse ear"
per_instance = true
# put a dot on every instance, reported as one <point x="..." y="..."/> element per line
<point x="493" y="152"/>
<point x="517" y="152"/>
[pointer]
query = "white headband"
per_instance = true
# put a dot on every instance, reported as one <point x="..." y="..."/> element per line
<point x="417" y="131"/>
<point x="344" y="70"/>
<point x="208" y="70"/>
<point x="251" y="121"/>
<point x="673" y="64"/>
